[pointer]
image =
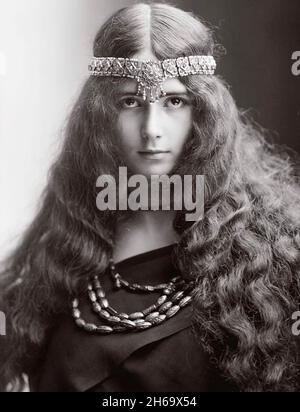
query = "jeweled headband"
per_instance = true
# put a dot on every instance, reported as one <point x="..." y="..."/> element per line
<point x="150" y="75"/>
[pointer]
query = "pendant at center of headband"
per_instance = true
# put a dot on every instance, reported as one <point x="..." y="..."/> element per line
<point x="150" y="81"/>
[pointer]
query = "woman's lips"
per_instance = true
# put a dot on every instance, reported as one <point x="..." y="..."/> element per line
<point x="153" y="154"/>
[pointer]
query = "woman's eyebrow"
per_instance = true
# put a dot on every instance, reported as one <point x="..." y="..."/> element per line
<point x="126" y="93"/>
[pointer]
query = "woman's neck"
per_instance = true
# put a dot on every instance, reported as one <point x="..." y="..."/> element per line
<point x="145" y="230"/>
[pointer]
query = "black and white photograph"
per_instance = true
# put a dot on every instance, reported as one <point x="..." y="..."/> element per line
<point x="150" y="198"/>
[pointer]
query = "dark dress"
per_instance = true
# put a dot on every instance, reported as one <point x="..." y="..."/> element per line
<point x="166" y="357"/>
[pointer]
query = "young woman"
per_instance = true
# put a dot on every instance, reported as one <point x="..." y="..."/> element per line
<point x="216" y="312"/>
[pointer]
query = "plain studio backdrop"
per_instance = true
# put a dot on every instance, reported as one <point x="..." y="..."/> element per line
<point x="45" y="46"/>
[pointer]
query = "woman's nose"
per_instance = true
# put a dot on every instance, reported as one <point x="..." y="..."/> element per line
<point x="152" y="122"/>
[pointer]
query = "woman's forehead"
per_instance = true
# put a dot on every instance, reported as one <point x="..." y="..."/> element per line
<point x="130" y="86"/>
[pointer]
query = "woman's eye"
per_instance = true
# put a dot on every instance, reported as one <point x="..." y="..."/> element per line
<point x="175" y="102"/>
<point x="129" y="102"/>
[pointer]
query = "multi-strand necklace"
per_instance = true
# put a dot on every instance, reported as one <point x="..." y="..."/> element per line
<point x="175" y="295"/>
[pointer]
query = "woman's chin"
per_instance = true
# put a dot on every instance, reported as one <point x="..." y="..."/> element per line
<point x="154" y="170"/>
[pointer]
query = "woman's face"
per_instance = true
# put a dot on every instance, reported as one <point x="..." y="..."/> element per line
<point x="152" y="135"/>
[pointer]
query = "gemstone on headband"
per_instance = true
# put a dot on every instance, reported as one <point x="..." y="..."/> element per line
<point x="149" y="74"/>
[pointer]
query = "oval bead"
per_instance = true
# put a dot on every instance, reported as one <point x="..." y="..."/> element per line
<point x="177" y="295"/>
<point x="149" y="310"/>
<point x="80" y="322"/>
<point x="156" y="321"/>
<point x="161" y="286"/>
<point x="136" y="286"/>
<point x="185" y="301"/>
<point x="144" y="325"/>
<point x="123" y="315"/>
<point x="139" y="321"/>
<point x="104" y="314"/>
<point x="151" y="316"/>
<point x="127" y="322"/>
<point x="90" y="327"/>
<point x="76" y="313"/>
<point x="112" y="311"/>
<point x="104" y="329"/>
<point x="92" y="296"/>
<point x="150" y="288"/>
<point x="75" y="303"/>
<point x="117" y="283"/>
<point x="100" y="293"/>
<point x="136" y="315"/>
<point x="104" y="303"/>
<point x="96" y="307"/>
<point x="114" y="319"/>
<point x="97" y="284"/>
<point x="165" y="306"/>
<point x="174" y="309"/>
<point x="162" y="299"/>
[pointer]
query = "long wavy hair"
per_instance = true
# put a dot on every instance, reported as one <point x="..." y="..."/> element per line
<point x="244" y="254"/>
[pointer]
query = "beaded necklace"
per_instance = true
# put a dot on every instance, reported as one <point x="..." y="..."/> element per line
<point x="174" y="296"/>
